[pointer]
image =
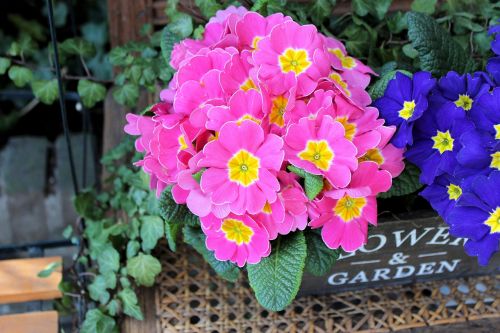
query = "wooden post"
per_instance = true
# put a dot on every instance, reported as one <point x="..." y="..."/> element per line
<point x="126" y="17"/>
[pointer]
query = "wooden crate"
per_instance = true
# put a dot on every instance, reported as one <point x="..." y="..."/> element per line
<point x="400" y="252"/>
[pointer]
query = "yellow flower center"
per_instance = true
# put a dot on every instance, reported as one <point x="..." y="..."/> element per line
<point x="495" y="160"/>
<point x="247" y="85"/>
<point x="248" y="117"/>
<point x="464" y="102"/>
<point x="443" y="141"/>
<point x="349" y="208"/>
<point x="407" y="111"/>
<point x="267" y="208"/>
<point x="373" y="155"/>
<point x="182" y="142"/>
<point x="334" y="76"/>
<point x="497" y="130"/>
<point x="295" y="60"/>
<point x="346" y="61"/>
<point x="350" y="128"/>
<point x="243" y="168"/>
<point x="236" y="231"/>
<point x="278" y="110"/>
<point x="318" y="153"/>
<point x="454" y="192"/>
<point x="255" y="42"/>
<point x="494" y="221"/>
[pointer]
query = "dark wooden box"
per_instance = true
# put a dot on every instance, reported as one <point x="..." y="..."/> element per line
<point x="400" y="252"/>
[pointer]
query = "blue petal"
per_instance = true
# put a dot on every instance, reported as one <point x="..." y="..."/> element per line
<point x="483" y="249"/>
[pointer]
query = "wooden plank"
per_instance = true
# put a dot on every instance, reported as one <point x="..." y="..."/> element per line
<point x="19" y="281"/>
<point x="399" y="252"/>
<point x="32" y="322"/>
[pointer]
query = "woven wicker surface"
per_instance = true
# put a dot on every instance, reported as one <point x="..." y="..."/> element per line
<point x="190" y="298"/>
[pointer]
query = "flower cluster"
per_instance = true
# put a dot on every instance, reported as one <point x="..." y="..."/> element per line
<point x="253" y="97"/>
<point x="451" y="129"/>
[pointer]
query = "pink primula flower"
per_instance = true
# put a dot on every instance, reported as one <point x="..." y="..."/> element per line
<point x="319" y="146"/>
<point x="295" y="202"/>
<point x="239" y="74"/>
<point x="344" y="221"/>
<point x="143" y="127"/>
<point x="296" y="49"/>
<point x="253" y="27"/>
<point x="237" y="238"/>
<point x="241" y="166"/>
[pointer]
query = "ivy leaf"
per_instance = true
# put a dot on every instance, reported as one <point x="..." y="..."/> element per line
<point x="78" y="46"/>
<point x="108" y="260"/>
<point x="181" y="25"/>
<point x="407" y="182"/>
<point x="320" y="259"/>
<point x="21" y="76"/>
<point x="376" y="8"/>
<point x="4" y="65"/>
<point x="45" y="90"/>
<point x="276" y="279"/>
<point x="97" y="322"/>
<point x="119" y="56"/>
<point x="151" y="231"/>
<point x="424" y="6"/>
<point x="51" y="268"/>
<point x="86" y="205"/>
<point x="127" y="94"/>
<point x="196" y="238"/>
<point x="438" y="52"/>
<point x="130" y="304"/>
<point x="144" y="268"/>
<point x="114" y="307"/>
<point x="320" y="10"/>
<point x="133" y="247"/>
<point x="97" y="290"/>
<point x="90" y="92"/>
<point x="207" y="7"/>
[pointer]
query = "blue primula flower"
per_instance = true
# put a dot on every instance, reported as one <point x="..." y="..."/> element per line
<point x="486" y="114"/>
<point x="437" y="142"/>
<point x="458" y="92"/>
<point x="480" y="154"/>
<point x="477" y="217"/>
<point x="493" y="65"/>
<point x="444" y="193"/>
<point x="404" y="101"/>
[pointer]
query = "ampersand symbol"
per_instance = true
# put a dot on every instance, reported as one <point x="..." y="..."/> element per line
<point x="398" y="258"/>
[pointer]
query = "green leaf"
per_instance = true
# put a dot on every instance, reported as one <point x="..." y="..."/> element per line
<point x="68" y="232"/>
<point x="86" y="205"/>
<point x="168" y="40"/>
<point x="130" y="304"/>
<point x="320" y="10"/>
<point x="127" y="94"/>
<point x="313" y="184"/>
<point x="151" y="231"/>
<point x="377" y="8"/>
<point x="119" y="56"/>
<point x="409" y="51"/>
<point x="378" y="89"/>
<point x="181" y="25"/>
<point x="424" y="6"/>
<point x="407" y="182"/>
<point x="438" y="52"/>
<point x="276" y="279"/>
<point x="97" y="322"/>
<point x="78" y="46"/>
<point x="114" y="307"/>
<point x="144" y="268"/>
<point x="4" y="65"/>
<point x="108" y="260"/>
<point x="196" y="238"/>
<point x="45" y="90"/>
<point x="172" y="233"/>
<point x="97" y="290"/>
<point x="168" y="207"/>
<point x="133" y="247"/>
<point x="90" y="92"/>
<point x="320" y="259"/>
<point x="397" y="23"/>
<point x="49" y="269"/>
<point x="207" y="7"/>
<point x="21" y="76"/>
